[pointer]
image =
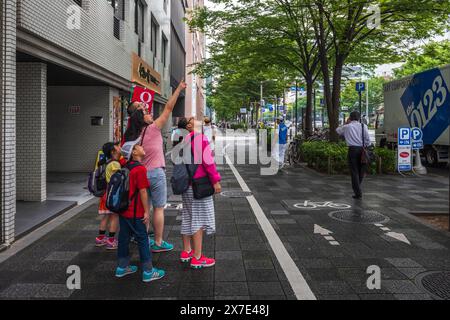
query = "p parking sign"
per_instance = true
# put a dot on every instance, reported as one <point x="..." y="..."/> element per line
<point x="404" y="153"/>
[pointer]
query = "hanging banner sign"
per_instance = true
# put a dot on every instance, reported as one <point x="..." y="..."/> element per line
<point x="144" y="95"/>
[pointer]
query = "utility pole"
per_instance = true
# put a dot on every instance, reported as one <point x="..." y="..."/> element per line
<point x="296" y="102"/>
<point x="314" y="120"/>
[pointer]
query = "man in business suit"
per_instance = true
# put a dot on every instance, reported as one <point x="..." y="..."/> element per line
<point x="352" y="132"/>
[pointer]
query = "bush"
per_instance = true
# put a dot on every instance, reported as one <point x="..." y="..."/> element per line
<point x="331" y="158"/>
<point x="242" y="126"/>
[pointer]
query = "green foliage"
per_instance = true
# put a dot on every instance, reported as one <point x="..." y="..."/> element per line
<point x="332" y="157"/>
<point x="432" y="55"/>
<point x="350" y="98"/>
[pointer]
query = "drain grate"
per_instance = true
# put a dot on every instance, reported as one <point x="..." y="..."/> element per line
<point x="359" y="216"/>
<point x="236" y="194"/>
<point x="435" y="283"/>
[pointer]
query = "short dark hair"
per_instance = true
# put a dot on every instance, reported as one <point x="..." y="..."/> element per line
<point x="108" y="148"/>
<point x="182" y="123"/>
<point x="355" y="116"/>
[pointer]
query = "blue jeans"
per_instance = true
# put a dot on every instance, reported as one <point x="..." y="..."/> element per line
<point x="128" y="228"/>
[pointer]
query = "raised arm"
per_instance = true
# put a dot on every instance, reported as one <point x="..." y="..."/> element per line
<point x="164" y="117"/>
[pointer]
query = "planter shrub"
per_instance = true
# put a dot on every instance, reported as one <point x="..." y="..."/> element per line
<point x="331" y="158"/>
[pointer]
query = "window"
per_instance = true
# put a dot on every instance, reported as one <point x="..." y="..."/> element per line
<point x="154" y="40"/>
<point x="119" y="14"/>
<point x="119" y="8"/>
<point x="78" y="2"/>
<point x="139" y="19"/>
<point x="164" y="50"/>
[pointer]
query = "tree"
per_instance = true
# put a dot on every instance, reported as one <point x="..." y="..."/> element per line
<point x="357" y="31"/>
<point x="432" y="55"/>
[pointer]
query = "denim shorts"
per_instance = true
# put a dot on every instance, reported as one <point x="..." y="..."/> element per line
<point x="158" y="187"/>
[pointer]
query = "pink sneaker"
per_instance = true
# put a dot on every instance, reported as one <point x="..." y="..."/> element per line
<point x="111" y="244"/>
<point x="203" y="262"/>
<point x="186" y="256"/>
<point x="100" y="241"/>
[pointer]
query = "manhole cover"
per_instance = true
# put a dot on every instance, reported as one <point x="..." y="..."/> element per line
<point x="359" y="216"/>
<point x="236" y="194"/>
<point x="435" y="283"/>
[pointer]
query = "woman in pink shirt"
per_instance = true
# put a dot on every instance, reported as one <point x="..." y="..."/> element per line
<point x="143" y="126"/>
<point x="198" y="215"/>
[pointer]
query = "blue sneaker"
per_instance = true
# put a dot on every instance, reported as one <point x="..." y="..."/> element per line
<point x="153" y="275"/>
<point x="164" y="247"/>
<point x="121" y="272"/>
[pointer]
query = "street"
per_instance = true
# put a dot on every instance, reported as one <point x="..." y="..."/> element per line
<point x="318" y="243"/>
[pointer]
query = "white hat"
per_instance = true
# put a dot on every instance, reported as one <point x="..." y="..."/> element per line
<point x="127" y="148"/>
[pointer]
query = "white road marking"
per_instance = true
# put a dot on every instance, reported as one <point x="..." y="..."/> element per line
<point x="398" y="236"/>
<point x="385" y="229"/>
<point x="329" y="238"/>
<point x="334" y="243"/>
<point x="322" y="231"/>
<point x="296" y="280"/>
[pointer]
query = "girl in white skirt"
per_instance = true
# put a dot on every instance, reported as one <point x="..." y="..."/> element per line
<point x="198" y="214"/>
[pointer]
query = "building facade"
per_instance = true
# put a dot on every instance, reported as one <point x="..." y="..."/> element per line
<point x="67" y="71"/>
<point x="195" y="53"/>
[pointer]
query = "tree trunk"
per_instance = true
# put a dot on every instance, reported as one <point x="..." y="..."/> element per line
<point x="336" y="98"/>
<point x="309" y="107"/>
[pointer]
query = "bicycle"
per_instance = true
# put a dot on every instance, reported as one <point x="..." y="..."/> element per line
<point x="293" y="155"/>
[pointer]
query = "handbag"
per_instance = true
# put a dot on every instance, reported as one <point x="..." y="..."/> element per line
<point x="367" y="156"/>
<point x="201" y="187"/>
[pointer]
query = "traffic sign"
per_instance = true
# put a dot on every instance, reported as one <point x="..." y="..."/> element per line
<point x="416" y="134"/>
<point x="360" y="86"/>
<point x="417" y="145"/>
<point x="404" y="136"/>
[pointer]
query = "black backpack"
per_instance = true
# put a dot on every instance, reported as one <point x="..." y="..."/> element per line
<point x="181" y="176"/>
<point x="118" y="192"/>
<point x="97" y="179"/>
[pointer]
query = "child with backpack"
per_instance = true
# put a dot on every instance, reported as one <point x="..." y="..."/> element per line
<point x="134" y="219"/>
<point x="112" y="157"/>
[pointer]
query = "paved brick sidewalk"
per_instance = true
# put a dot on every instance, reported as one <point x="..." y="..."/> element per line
<point x="246" y="268"/>
<point x="339" y="271"/>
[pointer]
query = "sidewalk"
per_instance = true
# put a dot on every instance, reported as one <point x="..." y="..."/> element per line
<point x="333" y="255"/>
<point x="245" y="269"/>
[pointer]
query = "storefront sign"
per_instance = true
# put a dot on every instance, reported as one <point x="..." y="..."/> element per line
<point x="145" y="75"/>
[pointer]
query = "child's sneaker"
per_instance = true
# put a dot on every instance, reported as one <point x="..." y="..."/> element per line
<point x="203" y="262"/>
<point x="100" y="241"/>
<point x="186" y="256"/>
<point x="164" y="247"/>
<point x="111" y="244"/>
<point x="153" y="275"/>
<point x="122" y="272"/>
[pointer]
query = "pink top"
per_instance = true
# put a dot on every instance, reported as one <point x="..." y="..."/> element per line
<point x="152" y="142"/>
<point x="207" y="166"/>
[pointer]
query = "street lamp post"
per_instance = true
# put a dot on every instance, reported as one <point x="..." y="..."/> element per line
<point x="296" y="113"/>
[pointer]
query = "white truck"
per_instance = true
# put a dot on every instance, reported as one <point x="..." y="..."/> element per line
<point x="421" y="100"/>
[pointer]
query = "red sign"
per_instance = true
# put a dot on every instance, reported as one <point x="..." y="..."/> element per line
<point x="144" y="95"/>
<point x="404" y="154"/>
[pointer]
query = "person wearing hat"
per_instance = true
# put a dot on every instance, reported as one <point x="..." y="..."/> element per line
<point x="282" y="141"/>
<point x="134" y="221"/>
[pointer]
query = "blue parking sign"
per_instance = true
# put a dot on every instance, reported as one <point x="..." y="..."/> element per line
<point x="360" y="86"/>
<point x="404" y="136"/>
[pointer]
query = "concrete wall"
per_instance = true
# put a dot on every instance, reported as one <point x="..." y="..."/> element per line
<point x="31" y="125"/>
<point x="8" y="119"/>
<point x="72" y="142"/>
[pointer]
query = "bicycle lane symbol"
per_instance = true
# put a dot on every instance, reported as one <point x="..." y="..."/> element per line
<point x="314" y="205"/>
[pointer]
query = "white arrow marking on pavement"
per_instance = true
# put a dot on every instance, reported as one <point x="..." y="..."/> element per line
<point x="322" y="231"/>
<point x="398" y="236"/>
